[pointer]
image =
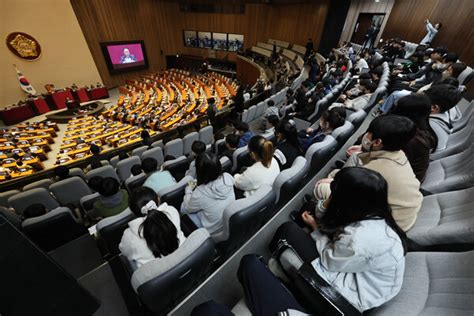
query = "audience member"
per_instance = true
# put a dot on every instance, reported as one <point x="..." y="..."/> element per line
<point x="136" y="170"/>
<point x="96" y="157"/>
<point x="34" y="210"/>
<point x="112" y="200"/>
<point x="231" y="144"/>
<point x="287" y="145"/>
<point x="198" y="147"/>
<point x="328" y="122"/>
<point x="156" y="179"/>
<point x="263" y="171"/>
<point x="61" y="173"/>
<point x="94" y="183"/>
<point x="155" y="233"/>
<point x="146" y="138"/>
<point x="382" y="152"/>
<point x="417" y="107"/>
<point x="443" y="98"/>
<point x="206" y="199"/>
<point x="244" y="132"/>
<point x="367" y="88"/>
<point x="358" y="242"/>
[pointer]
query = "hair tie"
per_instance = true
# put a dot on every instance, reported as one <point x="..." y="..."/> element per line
<point x="151" y="205"/>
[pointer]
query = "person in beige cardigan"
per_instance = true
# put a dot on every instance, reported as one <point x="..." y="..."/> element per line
<point x="381" y="152"/>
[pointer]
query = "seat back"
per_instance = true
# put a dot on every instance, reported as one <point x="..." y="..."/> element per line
<point x="243" y="217"/>
<point x="53" y="229"/>
<point x="173" y="195"/>
<point x="188" y="141"/>
<point x="206" y="135"/>
<point x="172" y="277"/>
<point x="342" y="133"/>
<point x="155" y="153"/>
<point x="177" y="167"/>
<point x="318" y="153"/>
<point x="135" y="181"/>
<point x="104" y="172"/>
<point x="260" y="109"/>
<point x="77" y="172"/>
<point x="139" y="151"/>
<point x="124" y="166"/>
<point x="174" y="148"/>
<point x="114" y="161"/>
<point x="226" y="164"/>
<point x="219" y="146"/>
<point x="11" y="216"/>
<point x="87" y="202"/>
<point x="245" y="116"/>
<point x="158" y="143"/>
<point x="70" y="191"/>
<point x="238" y="156"/>
<point x="465" y="76"/>
<point x="252" y="112"/>
<point x="44" y="183"/>
<point x="289" y="180"/>
<point x="110" y="230"/>
<point x="357" y="117"/>
<point x="22" y="200"/>
<point x="4" y="196"/>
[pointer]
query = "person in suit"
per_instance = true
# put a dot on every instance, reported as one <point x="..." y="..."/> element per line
<point x="127" y="58"/>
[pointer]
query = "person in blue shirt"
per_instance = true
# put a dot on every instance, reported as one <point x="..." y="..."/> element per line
<point x="244" y="132"/>
<point x="156" y="179"/>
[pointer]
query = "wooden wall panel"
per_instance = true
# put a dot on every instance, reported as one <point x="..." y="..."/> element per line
<point x="457" y="33"/>
<point x="160" y="25"/>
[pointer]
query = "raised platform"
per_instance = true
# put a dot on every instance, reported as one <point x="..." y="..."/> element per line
<point x="84" y="110"/>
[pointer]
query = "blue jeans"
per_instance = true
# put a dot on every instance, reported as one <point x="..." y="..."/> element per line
<point x="390" y="101"/>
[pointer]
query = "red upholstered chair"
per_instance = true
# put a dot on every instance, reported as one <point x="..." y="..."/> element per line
<point x="40" y="105"/>
<point x="99" y="93"/>
<point x="82" y="95"/>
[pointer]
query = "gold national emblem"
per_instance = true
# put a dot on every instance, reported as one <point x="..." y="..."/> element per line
<point x="23" y="45"/>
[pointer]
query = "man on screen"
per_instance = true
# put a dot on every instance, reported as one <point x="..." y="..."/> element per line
<point x="127" y="57"/>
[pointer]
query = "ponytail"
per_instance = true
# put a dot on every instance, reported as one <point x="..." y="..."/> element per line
<point x="267" y="153"/>
<point x="160" y="233"/>
<point x="262" y="148"/>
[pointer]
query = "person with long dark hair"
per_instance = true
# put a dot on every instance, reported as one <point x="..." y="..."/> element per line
<point x="206" y="199"/>
<point x="155" y="233"/>
<point x="417" y="107"/>
<point x="287" y="144"/>
<point x="355" y="243"/>
<point x="263" y="171"/>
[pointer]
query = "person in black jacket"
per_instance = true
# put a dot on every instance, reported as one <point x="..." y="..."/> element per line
<point x="287" y="146"/>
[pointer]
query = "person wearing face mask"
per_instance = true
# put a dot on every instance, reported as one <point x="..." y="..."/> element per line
<point x="329" y="121"/>
<point x="382" y="152"/>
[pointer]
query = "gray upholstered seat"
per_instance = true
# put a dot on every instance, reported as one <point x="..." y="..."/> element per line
<point x="435" y="284"/>
<point x="318" y="153"/>
<point x="226" y="164"/>
<point x="260" y="109"/>
<point x="22" y="200"/>
<point x="70" y="190"/>
<point x="124" y="166"/>
<point x="238" y="154"/>
<point x="4" y="196"/>
<point x="252" y="112"/>
<point x="465" y="76"/>
<point x="158" y="143"/>
<point x="11" y="216"/>
<point x="53" y="229"/>
<point x="206" y="135"/>
<point x="357" y="117"/>
<point x="342" y="133"/>
<point x="155" y="153"/>
<point x="457" y="142"/>
<point x="174" y="148"/>
<point x="219" y="146"/>
<point x="450" y="173"/>
<point x="104" y="172"/>
<point x="287" y="182"/>
<point x="171" y="277"/>
<point x="114" y="161"/>
<point x="188" y="141"/>
<point x="44" y="183"/>
<point x="87" y="202"/>
<point x="445" y="218"/>
<point x="467" y="118"/>
<point x="243" y="217"/>
<point x="139" y="151"/>
<point x="110" y="229"/>
<point x="321" y="104"/>
<point x="77" y="172"/>
<point x="174" y="194"/>
<point x="135" y="181"/>
<point x="245" y="116"/>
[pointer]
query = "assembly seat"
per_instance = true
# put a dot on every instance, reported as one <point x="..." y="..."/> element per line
<point x="342" y="133"/>
<point x="22" y="200"/>
<point x="139" y="151"/>
<point x="445" y="219"/>
<point x="174" y="194"/>
<point x="4" y="196"/>
<point x="44" y="183"/>
<point x="457" y="142"/>
<point x="104" y="172"/>
<point x="124" y="167"/>
<point x="174" y="148"/>
<point x="161" y="283"/>
<point x="318" y="154"/>
<point x="155" y="153"/>
<point x="188" y="141"/>
<point x="206" y="135"/>
<point x="110" y="230"/>
<point x="288" y="181"/>
<point x="135" y="181"/>
<point x="69" y="191"/>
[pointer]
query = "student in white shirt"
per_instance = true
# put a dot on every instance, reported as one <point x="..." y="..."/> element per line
<point x="155" y="233"/>
<point x="263" y="171"/>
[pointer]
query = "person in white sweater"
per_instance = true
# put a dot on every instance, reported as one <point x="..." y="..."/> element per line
<point x="155" y="233"/>
<point x="263" y="171"/>
<point x="206" y="202"/>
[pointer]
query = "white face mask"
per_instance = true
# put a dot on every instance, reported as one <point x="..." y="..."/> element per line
<point x="366" y="143"/>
